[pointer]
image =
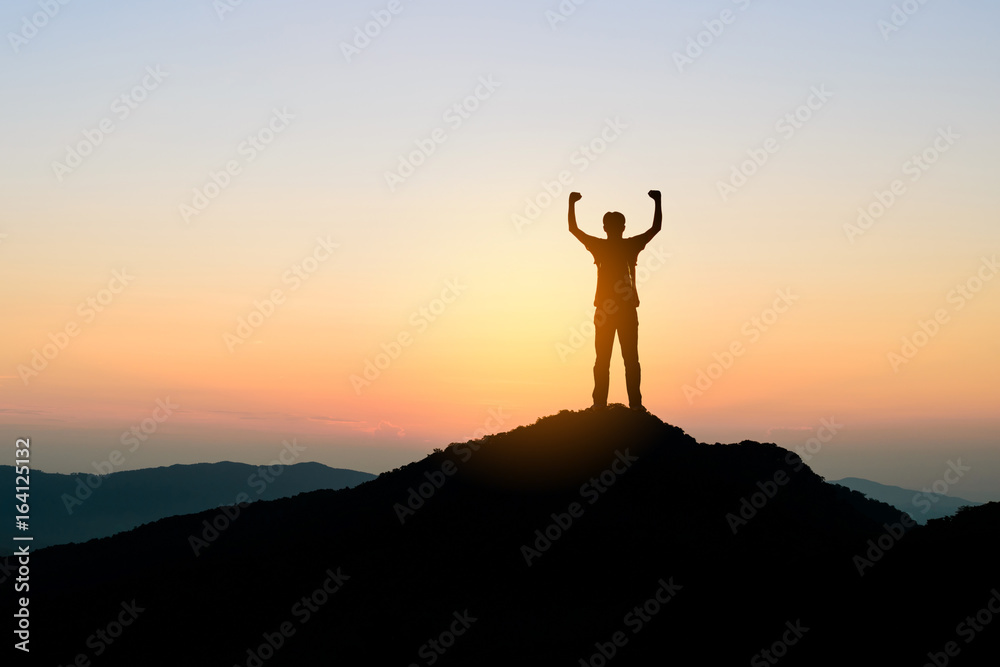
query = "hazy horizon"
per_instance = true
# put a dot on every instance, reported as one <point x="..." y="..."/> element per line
<point x="876" y="464"/>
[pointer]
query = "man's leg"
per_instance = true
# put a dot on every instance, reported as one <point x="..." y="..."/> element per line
<point x="604" y="341"/>
<point x="628" y="337"/>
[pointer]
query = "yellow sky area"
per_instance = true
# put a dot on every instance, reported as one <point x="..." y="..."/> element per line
<point x="514" y="331"/>
<point x="461" y="363"/>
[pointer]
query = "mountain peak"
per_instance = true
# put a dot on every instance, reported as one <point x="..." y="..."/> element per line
<point x="561" y="447"/>
<point x="549" y="541"/>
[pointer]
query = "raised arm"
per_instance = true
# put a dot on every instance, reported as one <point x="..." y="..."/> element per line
<point x="648" y="235"/>
<point x="574" y="197"/>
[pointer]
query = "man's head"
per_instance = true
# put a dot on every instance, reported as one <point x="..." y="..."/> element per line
<point x="614" y="224"/>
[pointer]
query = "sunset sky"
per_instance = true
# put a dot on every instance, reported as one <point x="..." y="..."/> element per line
<point x="233" y="209"/>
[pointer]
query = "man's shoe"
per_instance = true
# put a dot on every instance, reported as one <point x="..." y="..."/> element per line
<point x="639" y="408"/>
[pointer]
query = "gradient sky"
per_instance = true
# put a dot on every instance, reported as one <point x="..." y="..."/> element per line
<point x="508" y="346"/>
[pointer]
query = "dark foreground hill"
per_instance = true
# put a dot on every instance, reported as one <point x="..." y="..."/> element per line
<point x="584" y="539"/>
<point x="82" y="506"/>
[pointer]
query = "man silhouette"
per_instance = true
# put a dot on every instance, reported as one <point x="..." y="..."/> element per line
<point x="616" y="299"/>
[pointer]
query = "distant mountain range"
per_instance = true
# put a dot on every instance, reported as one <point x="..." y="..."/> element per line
<point x="921" y="505"/>
<point x="586" y="538"/>
<point x="80" y="506"/>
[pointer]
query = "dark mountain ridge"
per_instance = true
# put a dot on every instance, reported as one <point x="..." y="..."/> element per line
<point x="82" y="506"/>
<point x="585" y="538"/>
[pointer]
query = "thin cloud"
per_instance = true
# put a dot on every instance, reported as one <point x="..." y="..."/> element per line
<point x="335" y="420"/>
<point x="385" y="428"/>
<point x="23" y="411"/>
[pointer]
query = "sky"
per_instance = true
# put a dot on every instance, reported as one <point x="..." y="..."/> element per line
<point x="230" y="225"/>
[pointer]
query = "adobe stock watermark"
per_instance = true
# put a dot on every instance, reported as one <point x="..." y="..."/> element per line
<point x="247" y="151"/>
<point x="752" y="331"/>
<point x="8" y="567"/>
<point x="562" y="12"/>
<point x="750" y="506"/>
<point x="223" y="7"/>
<point x="420" y="320"/>
<point x="914" y="167"/>
<point x="585" y="155"/>
<point x="88" y="310"/>
<point x="364" y="34"/>
<point x="786" y="127"/>
<point x="952" y="475"/>
<point x="714" y="28"/>
<point x="454" y="116"/>
<point x="301" y="612"/>
<point x="121" y="108"/>
<point x="899" y="17"/>
<point x="32" y="24"/>
<point x="591" y="491"/>
<point x="877" y="548"/>
<point x="22" y="617"/>
<point x="134" y="437"/>
<point x="655" y="260"/>
<point x="418" y="496"/>
<point x="258" y="480"/>
<point x="967" y="629"/>
<point x="294" y="276"/>
<point x="635" y="621"/>
<point x="104" y="637"/>
<point x="435" y="648"/>
<point x="928" y="329"/>
<point x="779" y="649"/>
